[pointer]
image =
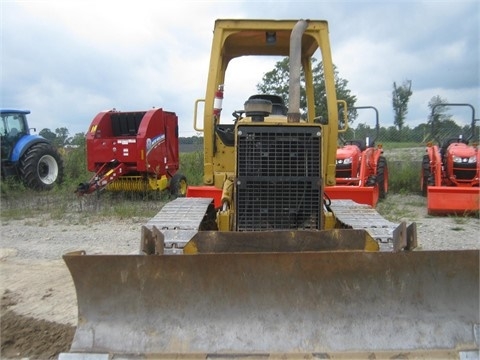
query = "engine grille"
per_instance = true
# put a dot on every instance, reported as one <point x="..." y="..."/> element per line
<point x="278" y="178"/>
<point x="343" y="171"/>
<point x="465" y="171"/>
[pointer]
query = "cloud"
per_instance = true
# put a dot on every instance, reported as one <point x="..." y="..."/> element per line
<point x="68" y="60"/>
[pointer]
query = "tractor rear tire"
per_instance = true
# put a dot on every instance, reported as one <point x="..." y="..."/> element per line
<point x="382" y="177"/>
<point x="426" y="173"/>
<point x="41" y="167"/>
<point x="178" y="185"/>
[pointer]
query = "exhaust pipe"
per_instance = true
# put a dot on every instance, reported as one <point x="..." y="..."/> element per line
<point x="293" y="114"/>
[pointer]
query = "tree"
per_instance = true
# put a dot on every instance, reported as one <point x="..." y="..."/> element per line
<point x="276" y="82"/>
<point x="400" y="97"/>
<point x="48" y="134"/>
<point x="59" y="138"/>
<point x="421" y="133"/>
<point x="62" y="138"/>
<point x="438" y="115"/>
<point x="438" y="110"/>
<point x="78" y="139"/>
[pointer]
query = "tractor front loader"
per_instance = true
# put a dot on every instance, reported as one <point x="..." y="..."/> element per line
<point x="450" y="176"/>
<point x="361" y="170"/>
<point x="134" y="151"/>
<point x="256" y="262"/>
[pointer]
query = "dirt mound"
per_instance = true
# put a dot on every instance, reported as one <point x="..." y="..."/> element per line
<point x="26" y="337"/>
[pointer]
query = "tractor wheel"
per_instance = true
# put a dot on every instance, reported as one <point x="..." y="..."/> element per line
<point x="426" y="173"/>
<point x="382" y="177"/>
<point x="178" y="185"/>
<point x="41" y="167"/>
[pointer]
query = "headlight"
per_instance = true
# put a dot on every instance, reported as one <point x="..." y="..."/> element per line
<point x="347" y="161"/>
<point x="469" y="160"/>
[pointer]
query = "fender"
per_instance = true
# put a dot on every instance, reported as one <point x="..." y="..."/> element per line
<point x="24" y="143"/>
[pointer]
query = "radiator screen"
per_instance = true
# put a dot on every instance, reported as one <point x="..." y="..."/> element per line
<point x="278" y="178"/>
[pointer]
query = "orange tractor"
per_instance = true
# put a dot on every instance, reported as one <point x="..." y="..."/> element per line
<point x="361" y="169"/>
<point x="451" y="171"/>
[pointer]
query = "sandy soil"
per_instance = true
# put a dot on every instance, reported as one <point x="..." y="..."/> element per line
<point x="38" y="304"/>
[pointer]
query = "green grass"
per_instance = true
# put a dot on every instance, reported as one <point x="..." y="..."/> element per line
<point x="396" y="207"/>
<point x="63" y="205"/>
<point x="396" y="214"/>
<point x="191" y="165"/>
<point x="416" y="203"/>
<point x="404" y="177"/>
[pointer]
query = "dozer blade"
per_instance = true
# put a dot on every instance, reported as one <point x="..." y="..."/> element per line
<point x="443" y="200"/>
<point x="263" y="303"/>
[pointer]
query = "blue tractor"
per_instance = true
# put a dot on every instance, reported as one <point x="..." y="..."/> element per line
<point x="30" y="158"/>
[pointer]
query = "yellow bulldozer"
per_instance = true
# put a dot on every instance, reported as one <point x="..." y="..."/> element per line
<point x="257" y="262"/>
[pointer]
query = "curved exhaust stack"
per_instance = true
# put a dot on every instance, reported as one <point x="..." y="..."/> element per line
<point x="293" y="114"/>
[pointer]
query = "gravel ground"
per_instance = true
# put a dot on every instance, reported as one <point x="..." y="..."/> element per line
<point x="39" y="303"/>
<point x="41" y="238"/>
<point x="433" y="232"/>
<point x="54" y="238"/>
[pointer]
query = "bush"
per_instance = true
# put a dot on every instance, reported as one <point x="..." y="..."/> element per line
<point x="191" y="165"/>
<point x="75" y="163"/>
<point x="404" y="176"/>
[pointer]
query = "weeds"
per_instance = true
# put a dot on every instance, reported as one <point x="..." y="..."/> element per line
<point x="417" y="203"/>
<point x="460" y="220"/>
<point x="191" y="165"/>
<point x="396" y="213"/>
<point x="404" y="177"/>
<point x="397" y="207"/>
<point x="64" y="206"/>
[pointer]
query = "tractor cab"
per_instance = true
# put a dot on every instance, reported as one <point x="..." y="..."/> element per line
<point x="28" y="157"/>
<point x="13" y="126"/>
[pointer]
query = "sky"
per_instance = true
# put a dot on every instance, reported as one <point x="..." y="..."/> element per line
<point x="68" y="60"/>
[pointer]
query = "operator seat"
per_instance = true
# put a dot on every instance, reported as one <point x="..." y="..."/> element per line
<point x="360" y="143"/>
<point x="13" y="132"/>
<point x="278" y="106"/>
